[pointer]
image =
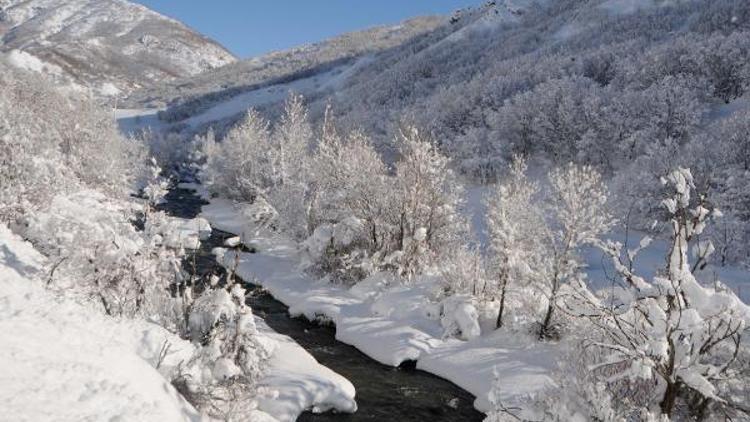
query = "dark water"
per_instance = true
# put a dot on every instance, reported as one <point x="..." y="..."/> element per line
<point x="384" y="393"/>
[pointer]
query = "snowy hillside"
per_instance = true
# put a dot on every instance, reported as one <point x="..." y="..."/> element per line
<point x="61" y="360"/>
<point x="278" y="67"/>
<point x="110" y="46"/>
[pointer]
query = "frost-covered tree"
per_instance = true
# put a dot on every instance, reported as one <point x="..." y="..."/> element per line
<point x="671" y="335"/>
<point x="515" y="224"/>
<point x="465" y="273"/>
<point x="239" y="166"/>
<point x="577" y="208"/>
<point x="428" y="199"/>
<point x="254" y="161"/>
<point x="290" y="158"/>
<point x="291" y="143"/>
<point x="353" y="202"/>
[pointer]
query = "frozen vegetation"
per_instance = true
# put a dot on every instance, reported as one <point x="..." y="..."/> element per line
<point x="101" y="319"/>
<point x="385" y="254"/>
<point x="544" y="202"/>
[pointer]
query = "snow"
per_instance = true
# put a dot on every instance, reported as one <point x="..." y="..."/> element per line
<point x="62" y="360"/>
<point x="132" y="121"/>
<point x="391" y="323"/>
<point x="277" y="93"/>
<point x="179" y="233"/>
<point x="223" y="215"/>
<point x="460" y="317"/>
<point x="301" y="382"/>
<point x="626" y="7"/>
<point x="476" y="210"/>
<point x="523" y="366"/>
<point x="26" y="61"/>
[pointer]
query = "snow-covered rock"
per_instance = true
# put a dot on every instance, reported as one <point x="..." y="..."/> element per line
<point x="179" y="232"/>
<point x="460" y="317"/>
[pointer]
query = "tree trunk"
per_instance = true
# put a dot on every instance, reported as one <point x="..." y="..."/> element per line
<point x="544" y="329"/>
<point x="502" y="304"/>
<point x="669" y="399"/>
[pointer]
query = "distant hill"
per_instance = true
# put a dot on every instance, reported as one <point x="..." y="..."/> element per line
<point x="280" y="67"/>
<point x="109" y="46"/>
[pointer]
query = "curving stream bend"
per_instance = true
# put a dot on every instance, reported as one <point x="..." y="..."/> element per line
<point x="384" y="393"/>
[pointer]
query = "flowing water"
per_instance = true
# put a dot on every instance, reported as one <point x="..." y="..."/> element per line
<point x="384" y="393"/>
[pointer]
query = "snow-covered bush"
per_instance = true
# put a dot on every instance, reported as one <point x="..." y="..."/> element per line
<point x="238" y="167"/>
<point x="290" y="189"/>
<point x="97" y="251"/>
<point x="221" y="379"/>
<point x="170" y="150"/>
<point x="406" y="222"/>
<point x="155" y="187"/>
<point x="464" y="272"/>
<point x="670" y="333"/>
<point x="459" y="317"/>
<point x="52" y="143"/>
<point x="352" y="194"/>
<point x="254" y="161"/>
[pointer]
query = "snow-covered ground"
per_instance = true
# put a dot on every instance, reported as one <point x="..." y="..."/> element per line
<point x="391" y="324"/>
<point x="131" y="121"/>
<point x="277" y="93"/>
<point x="300" y="383"/>
<point x="63" y="359"/>
<point x="181" y="233"/>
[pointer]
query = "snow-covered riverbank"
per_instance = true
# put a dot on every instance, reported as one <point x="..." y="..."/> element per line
<point x="63" y="359"/>
<point x="391" y="324"/>
<point x="395" y="323"/>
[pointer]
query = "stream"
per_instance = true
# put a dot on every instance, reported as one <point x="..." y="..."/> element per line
<point x="384" y="393"/>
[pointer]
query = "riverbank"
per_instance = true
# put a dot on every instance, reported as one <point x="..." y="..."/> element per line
<point x="392" y="324"/>
<point x="383" y="392"/>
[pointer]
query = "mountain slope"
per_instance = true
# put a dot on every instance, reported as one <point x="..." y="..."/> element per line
<point x="110" y="46"/>
<point x="280" y="67"/>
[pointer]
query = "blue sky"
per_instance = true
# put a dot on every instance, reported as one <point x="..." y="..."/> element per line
<point x="252" y="27"/>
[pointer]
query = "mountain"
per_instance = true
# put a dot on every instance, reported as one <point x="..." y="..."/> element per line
<point x="109" y="46"/>
<point x="279" y="67"/>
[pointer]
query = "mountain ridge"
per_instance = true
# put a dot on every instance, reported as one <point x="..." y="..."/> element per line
<point x="110" y="47"/>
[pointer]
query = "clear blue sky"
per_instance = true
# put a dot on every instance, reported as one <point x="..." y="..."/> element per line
<point x="252" y="27"/>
